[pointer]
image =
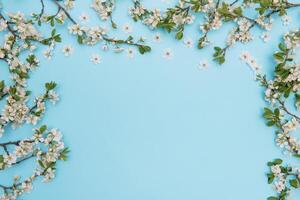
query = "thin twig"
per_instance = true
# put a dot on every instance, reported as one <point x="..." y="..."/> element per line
<point x="65" y="11"/>
<point x="287" y="111"/>
<point x="42" y="9"/>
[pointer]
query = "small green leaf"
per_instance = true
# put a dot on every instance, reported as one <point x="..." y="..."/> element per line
<point x="53" y="32"/>
<point x="270" y="178"/>
<point x="50" y="86"/>
<point x="179" y="35"/>
<point x="277" y="161"/>
<point x="43" y="129"/>
<point x="80" y="39"/>
<point x="41" y="163"/>
<point x="144" y="49"/>
<point x="272" y="198"/>
<point x="113" y="25"/>
<point x="294" y="183"/>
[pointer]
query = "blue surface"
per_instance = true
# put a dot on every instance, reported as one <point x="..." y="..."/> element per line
<point x="152" y="129"/>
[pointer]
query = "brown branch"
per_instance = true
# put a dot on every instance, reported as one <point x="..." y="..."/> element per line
<point x="9" y="28"/>
<point x="287" y="111"/>
<point x="65" y="11"/>
<point x="24" y="159"/>
<point x="42" y="9"/>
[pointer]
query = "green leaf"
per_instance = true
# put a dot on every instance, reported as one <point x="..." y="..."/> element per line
<point x="179" y="35"/>
<point x="144" y="49"/>
<point x="50" y="86"/>
<point x="277" y="161"/>
<point x="130" y="38"/>
<point x="282" y="12"/>
<point x="80" y="39"/>
<point x="282" y="47"/>
<point x="53" y="32"/>
<point x="64" y="154"/>
<point x="52" y="22"/>
<point x="219" y="55"/>
<point x="297" y="99"/>
<point x="273" y="198"/>
<point x="294" y="183"/>
<point x="238" y="11"/>
<point x="113" y="25"/>
<point x="270" y="178"/>
<point x="268" y="114"/>
<point x="57" y="38"/>
<point x="271" y="123"/>
<point x="58" y="20"/>
<point x="297" y="155"/>
<point x="42" y="129"/>
<point x="2" y="85"/>
<point x="41" y="163"/>
<point x="277" y="112"/>
<point x="279" y="56"/>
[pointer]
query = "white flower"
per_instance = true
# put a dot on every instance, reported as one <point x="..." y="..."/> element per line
<point x="49" y="175"/>
<point x="10" y="159"/>
<point x="26" y="186"/>
<point x="276" y="169"/>
<point x="188" y="43"/>
<point x="103" y="8"/>
<point x="84" y="18"/>
<point x="68" y="50"/>
<point x="216" y="22"/>
<point x="105" y="47"/>
<point x="53" y="96"/>
<point x="250" y="61"/>
<point x="279" y="186"/>
<point x="265" y="36"/>
<point x="203" y="64"/>
<point x="96" y="59"/>
<point x="32" y="119"/>
<point x="69" y="4"/>
<point x="245" y="56"/>
<point x="75" y="29"/>
<point x="57" y="136"/>
<point x="48" y="54"/>
<point x="3" y="25"/>
<point x="168" y="54"/>
<point x="286" y="20"/>
<point x="254" y="65"/>
<point x="118" y="49"/>
<point x="153" y="19"/>
<point x="127" y="28"/>
<point x="130" y="53"/>
<point x="157" y="37"/>
<point x="143" y="38"/>
<point x="244" y="24"/>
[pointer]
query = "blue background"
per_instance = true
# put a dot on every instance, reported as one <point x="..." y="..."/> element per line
<point x="154" y="129"/>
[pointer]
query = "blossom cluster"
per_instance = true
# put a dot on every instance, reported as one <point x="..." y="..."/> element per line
<point x="18" y="51"/>
<point x="85" y="34"/>
<point x="22" y="37"/>
<point x="45" y="146"/>
<point x="103" y="8"/>
<point x="281" y="91"/>
<point x="215" y="14"/>
<point x="284" y="178"/>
